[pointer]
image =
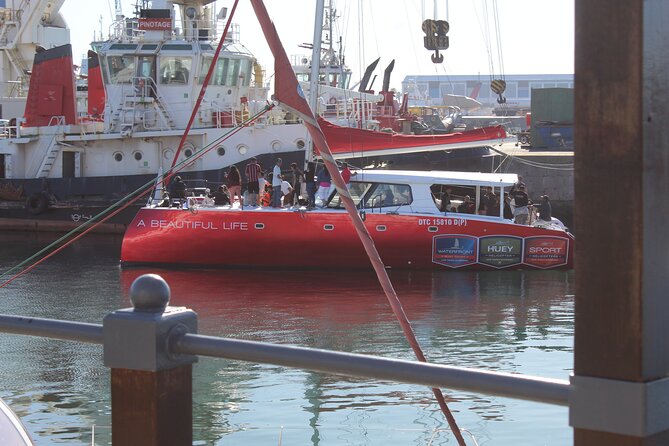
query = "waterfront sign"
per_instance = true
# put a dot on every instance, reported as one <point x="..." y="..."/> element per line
<point x="454" y="250"/>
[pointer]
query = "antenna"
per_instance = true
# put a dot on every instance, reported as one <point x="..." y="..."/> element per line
<point x="117" y="9"/>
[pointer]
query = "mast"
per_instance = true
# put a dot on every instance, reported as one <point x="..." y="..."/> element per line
<point x="315" y="71"/>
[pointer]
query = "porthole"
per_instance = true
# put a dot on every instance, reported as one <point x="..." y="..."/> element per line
<point x="260" y="225"/>
<point x="221" y="151"/>
<point x="328" y="227"/>
<point x="118" y="157"/>
<point x="168" y="154"/>
<point x="137" y="156"/>
<point x="276" y="146"/>
<point x="242" y="149"/>
<point x="432" y="229"/>
<point x="300" y="144"/>
<point x="381" y="228"/>
<point x="188" y="153"/>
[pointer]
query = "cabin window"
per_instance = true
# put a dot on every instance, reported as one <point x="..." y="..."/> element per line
<point x="388" y="195"/>
<point x="357" y="191"/>
<point x="449" y="198"/>
<point x="218" y="76"/>
<point x="175" y="70"/>
<point x="121" y="69"/>
<point x="229" y="72"/>
<point x="103" y="70"/>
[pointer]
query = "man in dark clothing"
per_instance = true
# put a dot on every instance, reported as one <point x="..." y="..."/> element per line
<point x="221" y="197"/>
<point x="545" y="209"/>
<point x="489" y="203"/>
<point x="177" y="188"/>
<point x="521" y="213"/>
<point x="467" y="206"/>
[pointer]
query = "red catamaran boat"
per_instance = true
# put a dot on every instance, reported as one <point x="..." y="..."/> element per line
<point x="401" y="212"/>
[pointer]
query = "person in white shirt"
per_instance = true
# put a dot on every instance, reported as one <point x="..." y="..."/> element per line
<point x="276" y="184"/>
<point x="287" y="193"/>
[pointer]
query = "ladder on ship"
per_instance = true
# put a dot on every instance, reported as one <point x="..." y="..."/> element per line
<point x="53" y="148"/>
<point x="144" y="97"/>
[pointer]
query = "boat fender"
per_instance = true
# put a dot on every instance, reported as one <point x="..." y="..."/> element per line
<point x="37" y="203"/>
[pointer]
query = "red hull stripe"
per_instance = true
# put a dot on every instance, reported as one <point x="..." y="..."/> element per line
<point x="286" y="239"/>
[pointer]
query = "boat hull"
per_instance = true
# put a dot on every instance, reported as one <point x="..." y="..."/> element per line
<point x="284" y="238"/>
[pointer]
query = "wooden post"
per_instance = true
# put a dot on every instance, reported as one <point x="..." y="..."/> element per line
<point x="622" y="210"/>
<point x="151" y="387"/>
<point x="152" y="408"/>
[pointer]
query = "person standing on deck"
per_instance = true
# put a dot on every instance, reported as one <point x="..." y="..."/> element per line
<point x="298" y="179"/>
<point x="346" y="173"/>
<point x="235" y="185"/>
<point x="521" y="212"/>
<point x="252" y="171"/>
<point x="310" y="179"/>
<point x="544" y="209"/>
<point x="276" y="184"/>
<point x="324" y="183"/>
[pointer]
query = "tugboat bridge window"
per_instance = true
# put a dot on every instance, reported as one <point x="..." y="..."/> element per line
<point x="229" y="72"/>
<point x="121" y="69"/>
<point x="175" y="70"/>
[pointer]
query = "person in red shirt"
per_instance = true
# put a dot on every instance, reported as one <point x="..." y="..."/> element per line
<point x="252" y="171"/>
<point x="346" y="173"/>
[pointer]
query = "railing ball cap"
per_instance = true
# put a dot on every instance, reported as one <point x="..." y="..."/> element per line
<point x="150" y="293"/>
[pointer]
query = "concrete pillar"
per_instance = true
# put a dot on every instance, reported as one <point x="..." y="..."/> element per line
<point x="620" y="391"/>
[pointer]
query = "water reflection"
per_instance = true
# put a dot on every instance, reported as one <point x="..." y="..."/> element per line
<point x="484" y="320"/>
<point x="510" y="321"/>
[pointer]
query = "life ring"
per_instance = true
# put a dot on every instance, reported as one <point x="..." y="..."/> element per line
<point x="37" y="203"/>
<point x="332" y="100"/>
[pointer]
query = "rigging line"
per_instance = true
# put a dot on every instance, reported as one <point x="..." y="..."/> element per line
<point x="498" y="36"/>
<point x="122" y="204"/>
<point x="299" y="105"/>
<point x="486" y="37"/>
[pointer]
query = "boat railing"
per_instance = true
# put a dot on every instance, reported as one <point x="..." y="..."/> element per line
<point x="153" y="345"/>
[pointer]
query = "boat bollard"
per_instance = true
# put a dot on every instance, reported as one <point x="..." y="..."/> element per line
<point x="151" y="388"/>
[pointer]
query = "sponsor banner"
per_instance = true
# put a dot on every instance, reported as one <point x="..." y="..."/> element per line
<point x="454" y="250"/>
<point x="500" y="251"/>
<point x="545" y="252"/>
<point x="155" y="24"/>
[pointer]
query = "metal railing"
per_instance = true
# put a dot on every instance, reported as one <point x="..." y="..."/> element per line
<point x="153" y="337"/>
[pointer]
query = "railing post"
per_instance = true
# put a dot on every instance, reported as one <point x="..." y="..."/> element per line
<point x="151" y="389"/>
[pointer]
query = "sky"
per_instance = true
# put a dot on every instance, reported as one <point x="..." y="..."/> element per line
<point x="535" y="36"/>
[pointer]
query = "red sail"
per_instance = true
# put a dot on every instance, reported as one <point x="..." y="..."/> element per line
<point x="51" y="91"/>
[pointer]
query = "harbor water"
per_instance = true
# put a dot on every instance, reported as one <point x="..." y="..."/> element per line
<point x="511" y="321"/>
